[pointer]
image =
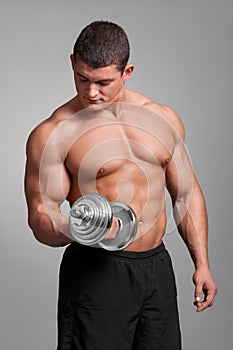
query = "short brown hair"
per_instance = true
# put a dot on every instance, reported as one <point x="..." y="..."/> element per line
<point x="101" y="44"/>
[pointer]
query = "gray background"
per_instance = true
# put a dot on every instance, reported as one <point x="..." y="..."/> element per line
<point x="183" y="53"/>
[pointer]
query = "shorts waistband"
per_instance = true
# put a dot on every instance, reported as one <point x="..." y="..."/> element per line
<point x="119" y="253"/>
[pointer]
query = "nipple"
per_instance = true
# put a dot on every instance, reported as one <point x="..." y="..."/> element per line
<point x="166" y="162"/>
<point x="101" y="170"/>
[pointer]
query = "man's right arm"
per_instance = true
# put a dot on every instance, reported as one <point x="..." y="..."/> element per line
<point x="47" y="185"/>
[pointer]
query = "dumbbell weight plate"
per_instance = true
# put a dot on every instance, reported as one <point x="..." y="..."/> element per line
<point x="97" y="222"/>
<point x="128" y="227"/>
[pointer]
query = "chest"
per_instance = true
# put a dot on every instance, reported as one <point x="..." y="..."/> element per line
<point x="113" y="144"/>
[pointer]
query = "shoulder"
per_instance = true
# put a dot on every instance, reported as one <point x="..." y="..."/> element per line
<point x="136" y="98"/>
<point x="43" y="130"/>
<point x="162" y="110"/>
<point x="40" y="135"/>
<point x="169" y="115"/>
<point x="38" y="139"/>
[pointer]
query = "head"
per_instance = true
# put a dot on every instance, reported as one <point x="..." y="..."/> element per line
<point x="99" y="61"/>
<point x="102" y="44"/>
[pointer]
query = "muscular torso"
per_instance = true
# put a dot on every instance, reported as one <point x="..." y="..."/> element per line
<point x="121" y="152"/>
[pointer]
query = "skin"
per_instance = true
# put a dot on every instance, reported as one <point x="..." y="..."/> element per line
<point x="93" y="143"/>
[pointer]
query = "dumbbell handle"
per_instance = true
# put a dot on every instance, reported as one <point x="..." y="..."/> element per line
<point x="84" y="214"/>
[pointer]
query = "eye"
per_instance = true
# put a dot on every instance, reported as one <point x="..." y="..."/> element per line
<point x="83" y="80"/>
<point x="104" y="83"/>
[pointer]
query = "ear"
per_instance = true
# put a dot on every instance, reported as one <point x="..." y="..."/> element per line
<point x="72" y="60"/>
<point x="128" y="71"/>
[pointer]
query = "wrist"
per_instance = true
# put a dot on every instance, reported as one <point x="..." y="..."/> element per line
<point x="203" y="265"/>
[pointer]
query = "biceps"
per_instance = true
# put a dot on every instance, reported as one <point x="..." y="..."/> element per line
<point x="47" y="184"/>
<point x="54" y="183"/>
<point x="179" y="176"/>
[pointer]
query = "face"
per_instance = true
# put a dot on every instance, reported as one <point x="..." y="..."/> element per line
<point x="99" y="85"/>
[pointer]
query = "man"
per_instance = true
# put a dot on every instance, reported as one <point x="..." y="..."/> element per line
<point x="119" y="143"/>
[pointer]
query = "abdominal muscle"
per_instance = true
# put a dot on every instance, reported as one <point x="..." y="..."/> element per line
<point x="142" y="188"/>
<point x="145" y="196"/>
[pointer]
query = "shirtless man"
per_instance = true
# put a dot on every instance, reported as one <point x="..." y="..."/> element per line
<point x="116" y="142"/>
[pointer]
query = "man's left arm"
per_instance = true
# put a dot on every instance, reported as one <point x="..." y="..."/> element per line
<point x="191" y="218"/>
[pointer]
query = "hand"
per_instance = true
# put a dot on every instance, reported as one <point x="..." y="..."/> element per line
<point x="205" y="289"/>
<point x="111" y="234"/>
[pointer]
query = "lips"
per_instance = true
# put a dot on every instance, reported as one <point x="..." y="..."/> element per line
<point x="92" y="100"/>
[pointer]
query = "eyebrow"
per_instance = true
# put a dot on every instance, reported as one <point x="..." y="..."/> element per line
<point x="109" y="80"/>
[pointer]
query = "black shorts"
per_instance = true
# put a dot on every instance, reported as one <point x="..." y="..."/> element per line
<point x="117" y="300"/>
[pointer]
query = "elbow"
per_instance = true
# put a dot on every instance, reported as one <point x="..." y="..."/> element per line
<point x="45" y="240"/>
<point x="43" y="228"/>
<point x="34" y="226"/>
<point x="44" y="234"/>
<point x="48" y="239"/>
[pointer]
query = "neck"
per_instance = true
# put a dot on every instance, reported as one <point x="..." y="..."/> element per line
<point x="121" y="96"/>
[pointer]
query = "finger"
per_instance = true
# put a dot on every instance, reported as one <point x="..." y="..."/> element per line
<point x="198" y="301"/>
<point x="207" y="302"/>
<point x="113" y="230"/>
<point x="202" y="306"/>
<point x="210" y="298"/>
<point x="198" y="295"/>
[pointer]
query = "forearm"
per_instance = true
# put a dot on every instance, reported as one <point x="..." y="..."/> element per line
<point x="53" y="230"/>
<point x="192" y="225"/>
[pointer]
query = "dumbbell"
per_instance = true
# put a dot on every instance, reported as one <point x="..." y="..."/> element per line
<point x="91" y="217"/>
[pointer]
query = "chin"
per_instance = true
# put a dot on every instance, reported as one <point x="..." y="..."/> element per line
<point x="88" y="103"/>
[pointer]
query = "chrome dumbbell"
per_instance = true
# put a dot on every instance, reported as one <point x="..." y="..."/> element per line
<point x="91" y="218"/>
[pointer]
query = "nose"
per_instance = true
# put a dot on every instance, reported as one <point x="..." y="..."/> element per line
<point x="92" y="90"/>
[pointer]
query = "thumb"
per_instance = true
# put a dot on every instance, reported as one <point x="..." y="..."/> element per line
<point x="198" y="292"/>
